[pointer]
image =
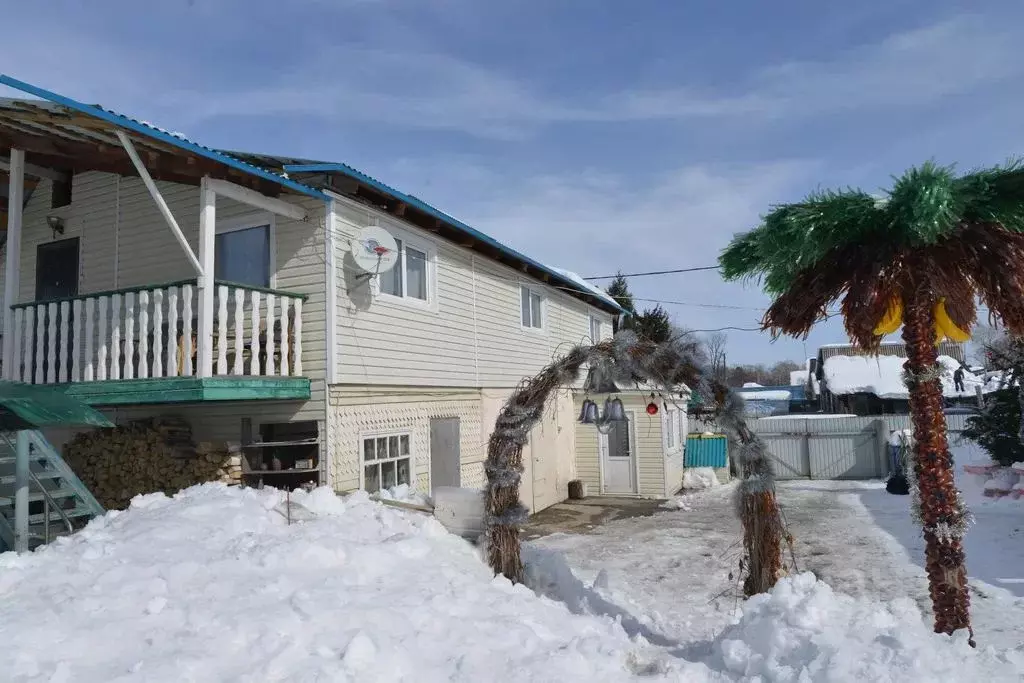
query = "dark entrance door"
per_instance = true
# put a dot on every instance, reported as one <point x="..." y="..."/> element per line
<point x="56" y="279"/>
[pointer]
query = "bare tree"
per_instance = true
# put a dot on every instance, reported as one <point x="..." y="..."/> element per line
<point x="715" y="344"/>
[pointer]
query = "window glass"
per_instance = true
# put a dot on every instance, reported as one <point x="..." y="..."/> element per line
<point x="243" y="256"/>
<point x="416" y="281"/>
<point x="391" y="281"/>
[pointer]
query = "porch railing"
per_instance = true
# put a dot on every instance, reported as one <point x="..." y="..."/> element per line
<point x="150" y="332"/>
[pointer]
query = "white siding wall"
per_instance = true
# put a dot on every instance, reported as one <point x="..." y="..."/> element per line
<point x="650" y="452"/>
<point x="470" y="335"/>
<point x="124" y="242"/>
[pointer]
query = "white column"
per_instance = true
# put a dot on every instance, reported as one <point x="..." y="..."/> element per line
<point x="207" y="234"/>
<point x="12" y="275"/>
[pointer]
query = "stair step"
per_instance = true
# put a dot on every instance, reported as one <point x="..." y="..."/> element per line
<point x="45" y="474"/>
<point x="35" y="496"/>
<point x="39" y="518"/>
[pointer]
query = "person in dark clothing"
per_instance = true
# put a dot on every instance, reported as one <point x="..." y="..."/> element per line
<point x="958" y="380"/>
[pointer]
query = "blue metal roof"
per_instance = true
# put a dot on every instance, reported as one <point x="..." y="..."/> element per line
<point x="159" y="134"/>
<point x="421" y="205"/>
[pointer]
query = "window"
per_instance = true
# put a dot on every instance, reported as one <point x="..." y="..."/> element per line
<point x="531" y="307"/>
<point x="242" y="255"/>
<point x="595" y="330"/>
<point x="408" y="279"/>
<point x="673" y="429"/>
<point x="387" y="462"/>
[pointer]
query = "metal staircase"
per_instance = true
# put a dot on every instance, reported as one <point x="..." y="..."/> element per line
<point x="58" y="502"/>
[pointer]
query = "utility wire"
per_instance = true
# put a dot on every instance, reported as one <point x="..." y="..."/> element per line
<point x="653" y="272"/>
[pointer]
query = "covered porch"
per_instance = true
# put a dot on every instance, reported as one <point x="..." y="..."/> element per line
<point x="226" y="332"/>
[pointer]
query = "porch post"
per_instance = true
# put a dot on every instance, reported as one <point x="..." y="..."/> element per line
<point x="12" y="276"/>
<point x="207" y="241"/>
<point x="21" y="468"/>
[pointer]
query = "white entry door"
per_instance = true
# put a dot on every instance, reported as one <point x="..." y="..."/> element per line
<point x="618" y="457"/>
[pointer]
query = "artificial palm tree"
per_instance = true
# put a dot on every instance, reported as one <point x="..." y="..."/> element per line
<point x="918" y="257"/>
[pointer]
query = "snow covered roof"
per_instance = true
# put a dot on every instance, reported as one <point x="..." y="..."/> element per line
<point x="773" y="395"/>
<point x="592" y="288"/>
<point x="883" y="376"/>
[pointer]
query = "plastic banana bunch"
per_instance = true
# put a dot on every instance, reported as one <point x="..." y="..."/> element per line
<point x="945" y="328"/>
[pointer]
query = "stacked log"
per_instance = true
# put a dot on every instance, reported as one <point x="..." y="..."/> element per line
<point x="146" y="456"/>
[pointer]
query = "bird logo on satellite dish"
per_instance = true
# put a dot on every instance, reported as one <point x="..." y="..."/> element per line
<point x="374" y="250"/>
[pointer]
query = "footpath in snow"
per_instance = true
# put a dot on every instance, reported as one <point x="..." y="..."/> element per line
<point x="214" y="585"/>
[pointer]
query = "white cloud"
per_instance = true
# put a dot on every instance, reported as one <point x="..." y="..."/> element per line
<point x="410" y="88"/>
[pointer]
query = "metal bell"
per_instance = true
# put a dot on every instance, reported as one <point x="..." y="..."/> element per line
<point x="588" y="415"/>
<point x="615" y="411"/>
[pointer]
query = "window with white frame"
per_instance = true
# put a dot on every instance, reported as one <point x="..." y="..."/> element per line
<point x="243" y="253"/>
<point x="673" y="429"/>
<point x="532" y="304"/>
<point x="409" y="279"/>
<point x="387" y="461"/>
<point x="595" y="330"/>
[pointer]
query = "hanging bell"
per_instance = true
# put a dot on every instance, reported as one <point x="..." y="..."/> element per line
<point x="598" y="382"/>
<point x="588" y="415"/>
<point x="615" y="412"/>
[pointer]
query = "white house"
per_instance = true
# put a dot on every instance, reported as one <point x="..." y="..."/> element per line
<point x="144" y="274"/>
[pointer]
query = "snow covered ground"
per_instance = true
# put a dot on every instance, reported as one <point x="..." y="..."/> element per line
<point x="215" y="585"/>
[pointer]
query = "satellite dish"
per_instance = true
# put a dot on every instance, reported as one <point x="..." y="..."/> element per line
<point x="374" y="250"/>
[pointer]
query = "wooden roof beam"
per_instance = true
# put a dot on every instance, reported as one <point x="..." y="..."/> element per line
<point x="60" y="176"/>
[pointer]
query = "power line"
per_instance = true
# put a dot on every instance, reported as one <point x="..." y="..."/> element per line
<point x="653" y="272"/>
<point x="699" y="305"/>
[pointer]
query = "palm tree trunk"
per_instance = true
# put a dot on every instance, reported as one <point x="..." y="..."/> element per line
<point x="941" y="512"/>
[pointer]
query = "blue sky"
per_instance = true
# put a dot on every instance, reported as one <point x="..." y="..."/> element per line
<point x="594" y="136"/>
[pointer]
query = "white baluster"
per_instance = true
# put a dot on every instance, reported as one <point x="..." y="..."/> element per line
<point x="297" y="351"/>
<point x="115" y="336"/>
<point x="142" y="370"/>
<point x="74" y="358"/>
<point x="222" y="330"/>
<point x="239" y="330"/>
<point x="40" y="343"/>
<point x="101" y="356"/>
<point x="18" y="332"/>
<point x="186" y="295"/>
<point x="89" y="371"/>
<point x="284" y="335"/>
<point x="62" y="343"/>
<point x="270" y="335"/>
<point x="51" y="344"/>
<point x="254" y="343"/>
<point x="129" y="336"/>
<point x="29" y="346"/>
<point x="158" y="333"/>
<point x="172" y="332"/>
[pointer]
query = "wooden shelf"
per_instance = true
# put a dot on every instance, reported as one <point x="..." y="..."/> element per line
<point x="291" y="471"/>
<point x="273" y="444"/>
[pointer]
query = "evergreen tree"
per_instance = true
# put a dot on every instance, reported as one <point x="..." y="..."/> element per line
<point x="995" y="427"/>
<point x="653" y="324"/>
<point x="619" y="290"/>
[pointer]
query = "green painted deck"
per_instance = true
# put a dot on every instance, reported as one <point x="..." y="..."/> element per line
<point x="187" y="390"/>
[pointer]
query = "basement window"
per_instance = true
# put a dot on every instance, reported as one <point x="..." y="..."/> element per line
<point x="387" y="461"/>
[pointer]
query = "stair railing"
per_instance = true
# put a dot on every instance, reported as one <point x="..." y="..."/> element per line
<point x="48" y="503"/>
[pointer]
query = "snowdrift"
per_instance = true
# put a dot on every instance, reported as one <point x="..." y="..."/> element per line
<point x="215" y="585"/>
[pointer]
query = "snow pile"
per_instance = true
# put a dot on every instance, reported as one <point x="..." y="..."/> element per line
<point x="883" y="376"/>
<point x="403" y="493"/>
<point x="803" y="631"/>
<point x="699" y="478"/>
<point x="214" y="585"/>
<point x="584" y="285"/>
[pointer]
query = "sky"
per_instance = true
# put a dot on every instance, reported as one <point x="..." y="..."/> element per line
<point x="597" y="137"/>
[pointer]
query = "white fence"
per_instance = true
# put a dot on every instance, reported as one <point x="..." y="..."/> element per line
<point x="151" y="332"/>
<point x="825" y="447"/>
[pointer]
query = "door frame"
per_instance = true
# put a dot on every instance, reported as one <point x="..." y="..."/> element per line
<point x="602" y="451"/>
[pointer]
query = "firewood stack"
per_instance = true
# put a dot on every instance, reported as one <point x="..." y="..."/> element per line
<point x="145" y="456"/>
